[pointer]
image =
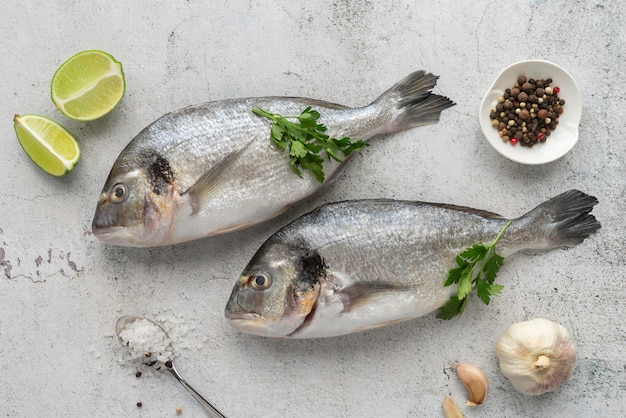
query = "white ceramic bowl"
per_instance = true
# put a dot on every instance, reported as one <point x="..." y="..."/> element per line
<point x="562" y="139"/>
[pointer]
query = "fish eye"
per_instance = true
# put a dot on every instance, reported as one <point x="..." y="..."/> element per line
<point x="119" y="193"/>
<point x="260" y="281"/>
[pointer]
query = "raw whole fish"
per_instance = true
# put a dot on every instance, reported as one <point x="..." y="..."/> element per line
<point x="358" y="265"/>
<point x="210" y="169"/>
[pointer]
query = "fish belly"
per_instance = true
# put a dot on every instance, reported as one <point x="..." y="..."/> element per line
<point x="330" y="319"/>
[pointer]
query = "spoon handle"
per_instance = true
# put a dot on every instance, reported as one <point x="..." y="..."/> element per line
<point x="210" y="409"/>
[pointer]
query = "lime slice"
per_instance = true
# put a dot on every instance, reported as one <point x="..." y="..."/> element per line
<point x="88" y="86"/>
<point x="47" y="143"/>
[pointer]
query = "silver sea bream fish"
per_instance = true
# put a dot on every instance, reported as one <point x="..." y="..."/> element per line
<point x="359" y="265"/>
<point x="211" y="168"/>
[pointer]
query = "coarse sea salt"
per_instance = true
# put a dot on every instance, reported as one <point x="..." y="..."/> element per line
<point x="146" y="341"/>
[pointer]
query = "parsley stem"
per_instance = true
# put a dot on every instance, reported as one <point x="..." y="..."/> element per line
<point x="493" y="243"/>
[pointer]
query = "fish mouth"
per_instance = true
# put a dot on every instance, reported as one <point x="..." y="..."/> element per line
<point x="103" y="231"/>
<point x="242" y="320"/>
<point x="117" y="235"/>
<point x="108" y="234"/>
<point x="241" y="316"/>
<point x="104" y="222"/>
<point x="250" y="323"/>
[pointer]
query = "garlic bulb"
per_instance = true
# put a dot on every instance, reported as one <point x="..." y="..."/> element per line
<point x="536" y="356"/>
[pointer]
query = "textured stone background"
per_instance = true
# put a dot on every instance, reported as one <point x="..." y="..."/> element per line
<point x="61" y="290"/>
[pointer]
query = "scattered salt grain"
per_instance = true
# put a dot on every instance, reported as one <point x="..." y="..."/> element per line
<point x="146" y="340"/>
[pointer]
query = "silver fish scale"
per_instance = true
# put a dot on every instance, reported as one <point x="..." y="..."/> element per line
<point x="198" y="137"/>
<point x="407" y="242"/>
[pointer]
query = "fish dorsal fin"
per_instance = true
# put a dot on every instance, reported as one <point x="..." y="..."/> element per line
<point x="479" y="212"/>
<point x="315" y="103"/>
<point x="207" y="184"/>
<point x="361" y="292"/>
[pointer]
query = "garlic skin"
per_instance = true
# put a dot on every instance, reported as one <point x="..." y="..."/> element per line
<point x="450" y="410"/>
<point x="537" y="356"/>
<point x="474" y="380"/>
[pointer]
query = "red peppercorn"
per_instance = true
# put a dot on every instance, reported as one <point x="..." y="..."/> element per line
<point x="513" y="141"/>
<point x="556" y="90"/>
<point x="541" y="136"/>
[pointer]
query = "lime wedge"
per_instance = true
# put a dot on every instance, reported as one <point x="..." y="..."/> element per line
<point x="88" y="85"/>
<point x="47" y="143"/>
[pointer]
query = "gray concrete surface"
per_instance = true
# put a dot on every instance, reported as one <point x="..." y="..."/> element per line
<point x="61" y="290"/>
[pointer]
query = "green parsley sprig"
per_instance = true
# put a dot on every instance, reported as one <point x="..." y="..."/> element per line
<point x="477" y="266"/>
<point x="305" y="139"/>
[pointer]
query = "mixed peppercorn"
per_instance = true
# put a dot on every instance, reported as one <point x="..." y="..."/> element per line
<point x="528" y="112"/>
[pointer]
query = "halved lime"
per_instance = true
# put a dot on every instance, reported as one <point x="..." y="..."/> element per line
<point x="88" y="85"/>
<point x="47" y="143"/>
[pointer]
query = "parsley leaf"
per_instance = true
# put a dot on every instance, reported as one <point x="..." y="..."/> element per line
<point x="465" y="284"/>
<point x="453" y="307"/>
<point x="477" y="266"/>
<point x="474" y="253"/>
<point x="297" y="149"/>
<point x="305" y="138"/>
<point x="483" y="291"/>
<point x="492" y="266"/>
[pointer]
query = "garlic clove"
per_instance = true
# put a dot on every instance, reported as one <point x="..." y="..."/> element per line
<point x="450" y="409"/>
<point x="474" y="380"/>
<point x="537" y="356"/>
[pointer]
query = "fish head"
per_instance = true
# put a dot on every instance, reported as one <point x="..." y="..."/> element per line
<point x="276" y="292"/>
<point x="135" y="207"/>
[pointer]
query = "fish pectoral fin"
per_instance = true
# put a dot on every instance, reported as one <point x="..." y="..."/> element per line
<point x="207" y="185"/>
<point x="361" y="292"/>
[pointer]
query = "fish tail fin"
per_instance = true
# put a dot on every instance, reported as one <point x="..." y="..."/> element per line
<point x="563" y="221"/>
<point x="410" y="103"/>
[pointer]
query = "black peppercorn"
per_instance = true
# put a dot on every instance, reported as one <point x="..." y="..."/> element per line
<point x="524" y="114"/>
<point x="527" y="87"/>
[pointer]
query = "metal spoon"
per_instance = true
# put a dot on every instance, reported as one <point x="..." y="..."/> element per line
<point x="168" y="365"/>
